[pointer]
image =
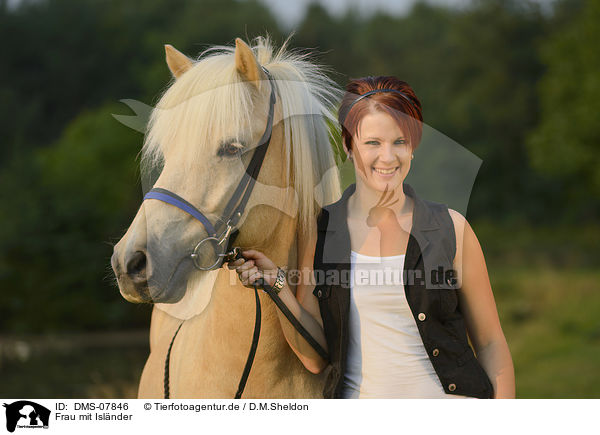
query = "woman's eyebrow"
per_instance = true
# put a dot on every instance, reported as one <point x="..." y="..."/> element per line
<point x="376" y="138"/>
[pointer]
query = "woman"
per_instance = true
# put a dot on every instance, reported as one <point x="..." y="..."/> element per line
<point x="386" y="337"/>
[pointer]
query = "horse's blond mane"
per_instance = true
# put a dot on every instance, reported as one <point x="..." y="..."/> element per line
<point x="211" y="101"/>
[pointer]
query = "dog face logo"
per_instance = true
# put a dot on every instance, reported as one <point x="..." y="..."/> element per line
<point x="26" y="414"/>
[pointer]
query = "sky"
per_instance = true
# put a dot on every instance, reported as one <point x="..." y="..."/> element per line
<point x="290" y="12"/>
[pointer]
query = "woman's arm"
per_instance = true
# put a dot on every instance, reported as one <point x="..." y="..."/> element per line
<point x="303" y="305"/>
<point x="478" y="307"/>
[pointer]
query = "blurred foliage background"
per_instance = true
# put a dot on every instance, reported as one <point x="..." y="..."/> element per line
<point x="514" y="83"/>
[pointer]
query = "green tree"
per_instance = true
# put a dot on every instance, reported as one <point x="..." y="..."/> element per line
<point x="64" y="56"/>
<point x="62" y="206"/>
<point x="491" y="104"/>
<point x="566" y="143"/>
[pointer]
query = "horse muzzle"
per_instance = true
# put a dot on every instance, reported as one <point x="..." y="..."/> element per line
<point x="132" y="275"/>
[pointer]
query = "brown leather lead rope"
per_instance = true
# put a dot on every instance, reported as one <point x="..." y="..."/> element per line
<point x="168" y="361"/>
<point x="253" y="346"/>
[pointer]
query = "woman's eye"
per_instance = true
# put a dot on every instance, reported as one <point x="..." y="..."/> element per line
<point x="400" y="142"/>
<point x="231" y="149"/>
<point x="372" y="142"/>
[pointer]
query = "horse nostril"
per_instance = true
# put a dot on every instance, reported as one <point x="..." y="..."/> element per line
<point x="136" y="265"/>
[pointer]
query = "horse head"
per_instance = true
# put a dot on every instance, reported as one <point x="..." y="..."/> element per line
<point x="201" y="138"/>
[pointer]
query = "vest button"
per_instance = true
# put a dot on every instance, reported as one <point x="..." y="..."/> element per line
<point x="436" y="352"/>
<point x="422" y="316"/>
<point x="452" y="387"/>
<point x="320" y="293"/>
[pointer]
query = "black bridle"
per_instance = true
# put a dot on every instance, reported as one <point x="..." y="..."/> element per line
<point x="219" y="234"/>
<point x="221" y="237"/>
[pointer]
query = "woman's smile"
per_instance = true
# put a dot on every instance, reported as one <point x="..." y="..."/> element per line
<point x="385" y="173"/>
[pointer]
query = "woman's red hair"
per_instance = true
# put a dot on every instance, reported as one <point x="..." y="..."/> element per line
<point x="407" y="113"/>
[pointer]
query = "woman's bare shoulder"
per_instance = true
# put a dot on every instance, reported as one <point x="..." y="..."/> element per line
<point x="457" y="217"/>
<point x="460" y="224"/>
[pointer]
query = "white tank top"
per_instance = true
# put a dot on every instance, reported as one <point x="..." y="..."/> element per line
<point x="386" y="356"/>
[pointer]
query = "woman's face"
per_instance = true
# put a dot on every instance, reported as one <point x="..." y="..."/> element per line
<point x="381" y="152"/>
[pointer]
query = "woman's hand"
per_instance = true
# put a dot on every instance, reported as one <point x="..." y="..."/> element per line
<point x="253" y="266"/>
<point x="381" y="213"/>
<point x="379" y="216"/>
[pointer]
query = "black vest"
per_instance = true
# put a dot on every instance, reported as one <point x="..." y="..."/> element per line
<point x="430" y="288"/>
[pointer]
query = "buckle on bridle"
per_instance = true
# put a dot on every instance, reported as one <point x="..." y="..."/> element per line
<point x="218" y="245"/>
<point x="232" y="255"/>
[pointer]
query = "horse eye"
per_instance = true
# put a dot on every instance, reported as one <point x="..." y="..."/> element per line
<point x="230" y="149"/>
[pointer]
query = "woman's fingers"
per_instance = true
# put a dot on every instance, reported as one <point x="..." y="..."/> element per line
<point x="241" y="264"/>
<point x="248" y="277"/>
<point x="246" y="270"/>
<point x="260" y="259"/>
<point x="252" y="253"/>
<point x="245" y="274"/>
<point x="238" y="262"/>
<point x="246" y="266"/>
<point x="254" y="277"/>
<point x="252" y="266"/>
<point x="233" y="264"/>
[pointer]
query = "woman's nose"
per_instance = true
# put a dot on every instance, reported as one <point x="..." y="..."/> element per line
<point x="387" y="154"/>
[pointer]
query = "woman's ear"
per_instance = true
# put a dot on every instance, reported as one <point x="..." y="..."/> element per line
<point x="346" y="150"/>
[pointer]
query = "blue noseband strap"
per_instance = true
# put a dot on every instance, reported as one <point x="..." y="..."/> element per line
<point x="177" y="201"/>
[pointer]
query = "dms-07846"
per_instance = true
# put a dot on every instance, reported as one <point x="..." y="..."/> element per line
<point x="101" y="406"/>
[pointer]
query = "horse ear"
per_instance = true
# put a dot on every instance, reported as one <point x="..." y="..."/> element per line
<point x="177" y="61"/>
<point x="246" y="63"/>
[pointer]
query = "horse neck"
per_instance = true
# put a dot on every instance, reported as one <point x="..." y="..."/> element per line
<point x="234" y="303"/>
<point x="281" y="247"/>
